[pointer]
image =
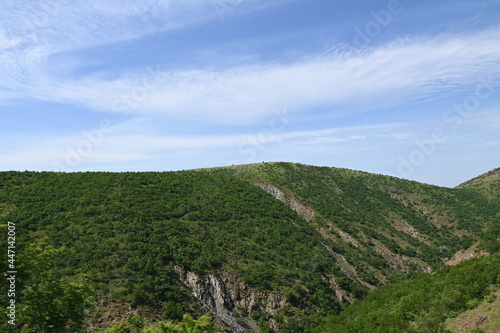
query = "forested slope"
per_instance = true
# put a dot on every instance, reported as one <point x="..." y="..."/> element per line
<point x="379" y="222"/>
<point x="161" y="244"/>
<point x="423" y="304"/>
<point x="488" y="184"/>
<point x="128" y="232"/>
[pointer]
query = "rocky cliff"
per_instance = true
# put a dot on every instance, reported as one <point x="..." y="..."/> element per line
<point x="230" y="301"/>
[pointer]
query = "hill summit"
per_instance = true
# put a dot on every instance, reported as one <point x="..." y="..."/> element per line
<point x="269" y="247"/>
<point x="487" y="183"/>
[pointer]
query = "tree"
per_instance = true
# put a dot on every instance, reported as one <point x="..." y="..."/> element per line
<point x="137" y="324"/>
<point x="49" y="302"/>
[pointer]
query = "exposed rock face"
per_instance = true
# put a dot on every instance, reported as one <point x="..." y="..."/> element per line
<point x="341" y="294"/>
<point x="399" y="262"/>
<point x="348" y="269"/>
<point x="225" y="295"/>
<point x="464" y="255"/>
<point x="112" y="310"/>
<point x="305" y="212"/>
<point x="308" y="214"/>
<point x="222" y="295"/>
<point x="348" y="238"/>
<point x="405" y="227"/>
<point x="213" y="294"/>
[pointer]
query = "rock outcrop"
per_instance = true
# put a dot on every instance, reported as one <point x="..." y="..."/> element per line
<point x="303" y="211"/>
<point x="225" y="296"/>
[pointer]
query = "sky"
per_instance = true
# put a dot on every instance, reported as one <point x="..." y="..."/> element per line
<point x="407" y="88"/>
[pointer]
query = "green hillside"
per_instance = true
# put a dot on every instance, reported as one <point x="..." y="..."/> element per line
<point x="271" y="246"/>
<point x="488" y="183"/>
<point x="361" y="212"/>
<point x="423" y="304"/>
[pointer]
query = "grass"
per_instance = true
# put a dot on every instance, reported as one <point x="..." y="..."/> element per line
<point x="488" y="182"/>
<point x="483" y="318"/>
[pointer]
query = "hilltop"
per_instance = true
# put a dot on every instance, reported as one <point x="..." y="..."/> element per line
<point x="487" y="183"/>
<point x="269" y="246"/>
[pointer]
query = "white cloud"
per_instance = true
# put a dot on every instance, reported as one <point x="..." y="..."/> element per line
<point x="33" y="34"/>
<point x="67" y="25"/>
<point x="7" y="42"/>
<point x="385" y="75"/>
<point x="118" y="149"/>
<point x="349" y="147"/>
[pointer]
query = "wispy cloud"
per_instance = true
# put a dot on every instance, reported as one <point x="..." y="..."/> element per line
<point x="66" y="25"/>
<point x="120" y="148"/>
<point x="349" y="147"/>
<point x="36" y="36"/>
<point x="378" y="76"/>
<point x="58" y="55"/>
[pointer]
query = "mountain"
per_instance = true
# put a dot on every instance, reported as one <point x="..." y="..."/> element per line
<point x="269" y="247"/>
<point x="429" y="303"/>
<point x="488" y="183"/>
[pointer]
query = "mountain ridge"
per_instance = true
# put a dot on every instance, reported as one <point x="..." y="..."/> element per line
<point x="272" y="246"/>
<point x="487" y="183"/>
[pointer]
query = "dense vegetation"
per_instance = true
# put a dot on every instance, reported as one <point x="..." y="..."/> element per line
<point x="120" y="238"/>
<point x="369" y="208"/>
<point x="488" y="184"/>
<point x="124" y="230"/>
<point x="135" y="324"/>
<point x="421" y="304"/>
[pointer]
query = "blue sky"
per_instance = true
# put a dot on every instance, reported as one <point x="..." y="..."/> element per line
<point x="403" y="88"/>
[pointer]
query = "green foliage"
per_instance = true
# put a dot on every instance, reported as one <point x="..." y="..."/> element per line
<point x="48" y="302"/>
<point x="476" y="330"/>
<point x="490" y="239"/>
<point x="422" y="304"/>
<point x="487" y="184"/>
<point x="136" y="324"/>
<point x="368" y="207"/>
<point x="133" y="324"/>
<point x="188" y="325"/>
<point x="130" y="230"/>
